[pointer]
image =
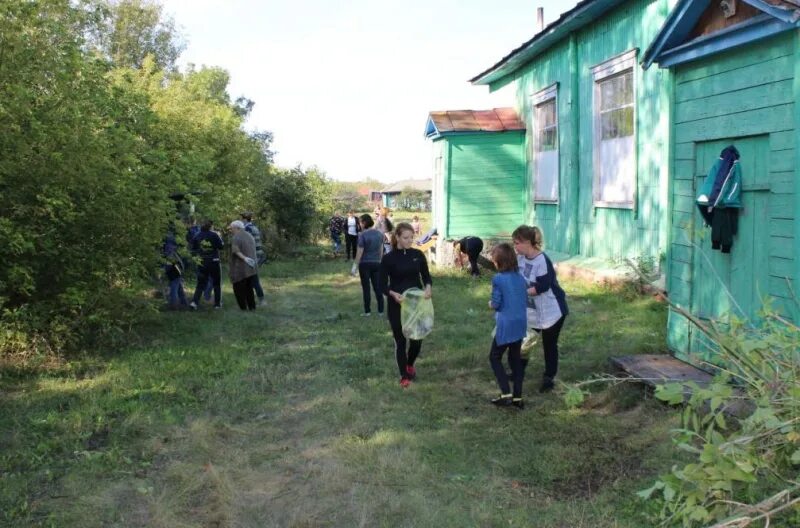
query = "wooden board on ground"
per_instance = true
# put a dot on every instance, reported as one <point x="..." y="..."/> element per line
<point x="655" y="369"/>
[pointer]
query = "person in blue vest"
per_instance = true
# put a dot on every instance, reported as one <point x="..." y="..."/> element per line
<point x="261" y="255"/>
<point x="206" y="245"/>
<point x="510" y="303"/>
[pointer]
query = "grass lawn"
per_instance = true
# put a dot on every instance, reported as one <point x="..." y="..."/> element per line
<point x="293" y="416"/>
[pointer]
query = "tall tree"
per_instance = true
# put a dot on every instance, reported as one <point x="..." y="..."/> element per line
<point x="138" y="28"/>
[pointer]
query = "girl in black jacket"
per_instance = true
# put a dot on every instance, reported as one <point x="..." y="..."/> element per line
<point x="403" y="268"/>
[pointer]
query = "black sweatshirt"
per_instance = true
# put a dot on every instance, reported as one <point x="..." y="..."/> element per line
<point x="401" y="269"/>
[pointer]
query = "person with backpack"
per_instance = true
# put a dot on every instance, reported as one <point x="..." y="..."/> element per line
<point x="261" y="255"/>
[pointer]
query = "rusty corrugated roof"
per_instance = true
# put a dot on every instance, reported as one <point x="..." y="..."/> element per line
<point x="494" y="120"/>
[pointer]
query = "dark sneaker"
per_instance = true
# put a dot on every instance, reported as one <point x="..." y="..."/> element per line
<point x="547" y="384"/>
<point x="504" y="400"/>
<point x="411" y="371"/>
<point x="405" y="382"/>
<point x="518" y="403"/>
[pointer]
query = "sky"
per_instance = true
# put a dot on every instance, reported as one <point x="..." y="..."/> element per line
<point x="347" y="85"/>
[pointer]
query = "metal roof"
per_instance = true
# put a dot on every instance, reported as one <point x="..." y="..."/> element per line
<point x="462" y="121"/>
<point x="582" y="14"/>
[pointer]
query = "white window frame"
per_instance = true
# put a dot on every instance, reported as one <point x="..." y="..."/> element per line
<point x="542" y="97"/>
<point x="615" y="66"/>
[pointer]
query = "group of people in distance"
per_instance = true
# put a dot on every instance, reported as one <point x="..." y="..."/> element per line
<point x="526" y="297"/>
<point x="246" y="256"/>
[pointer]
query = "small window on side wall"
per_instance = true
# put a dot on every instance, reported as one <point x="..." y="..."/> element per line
<point x="614" y="145"/>
<point x="545" y="145"/>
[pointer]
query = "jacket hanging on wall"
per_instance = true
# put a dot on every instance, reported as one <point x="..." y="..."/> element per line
<point x="720" y="199"/>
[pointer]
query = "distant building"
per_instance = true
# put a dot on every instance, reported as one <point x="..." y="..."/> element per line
<point x="390" y="196"/>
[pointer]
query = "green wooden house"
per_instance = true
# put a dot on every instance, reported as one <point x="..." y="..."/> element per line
<point x="736" y="74"/>
<point x="597" y="130"/>
<point x="478" y="172"/>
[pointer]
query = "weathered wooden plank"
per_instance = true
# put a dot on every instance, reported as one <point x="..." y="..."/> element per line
<point x="683" y="220"/>
<point x="745" y="124"/>
<point x="684" y="151"/>
<point x="782" y="247"/>
<point x="684" y="169"/>
<point x="683" y="188"/>
<point x="681" y="253"/>
<point x="677" y="333"/>
<point x="683" y="204"/>
<point x="757" y="53"/>
<point x="781" y="206"/>
<point x="780" y="267"/>
<point x="786" y="308"/>
<point x="657" y="369"/>
<point x="681" y="235"/>
<point x="733" y="102"/>
<point x="781" y="228"/>
<point x="681" y="271"/>
<point x="781" y="287"/>
<point x="782" y="140"/>
<point x="771" y="71"/>
<point x="782" y="182"/>
<point x="782" y="160"/>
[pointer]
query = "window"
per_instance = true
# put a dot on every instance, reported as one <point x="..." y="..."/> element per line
<point x="615" y="132"/>
<point x="545" y="145"/>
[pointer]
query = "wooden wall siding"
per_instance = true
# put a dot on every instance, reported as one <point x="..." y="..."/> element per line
<point x="712" y="20"/>
<point x="555" y="220"/>
<point x="486" y="184"/>
<point x="574" y="225"/>
<point x="745" y="96"/>
<point x="607" y="232"/>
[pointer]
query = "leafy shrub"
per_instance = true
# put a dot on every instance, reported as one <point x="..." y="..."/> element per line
<point x="745" y="470"/>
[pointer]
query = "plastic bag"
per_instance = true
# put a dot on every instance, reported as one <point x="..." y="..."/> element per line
<point x="416" y="314"/>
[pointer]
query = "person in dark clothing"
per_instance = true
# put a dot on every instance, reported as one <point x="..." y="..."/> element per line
<point x="206" y="245"/>
<point x="368" y="261"/>
<point x="403" y="268"/>
<point x="337" y="225"/>
<point x="471" y="247"/>
<point x="351" y="235"/>
<point x="173" y="270"/>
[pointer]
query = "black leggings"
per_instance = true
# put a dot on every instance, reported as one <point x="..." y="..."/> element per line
<point x="369" y="272"/>
<point x="350" y="246"/>
<point x="514" y="360"/>
<point x="414" y="345"/>
<point x="550" y="345"/>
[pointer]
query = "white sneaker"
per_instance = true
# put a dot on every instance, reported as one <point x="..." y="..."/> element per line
<point x="193" y="305"/>
<point x="366" y="314"/>
<point x="262" y="302"/>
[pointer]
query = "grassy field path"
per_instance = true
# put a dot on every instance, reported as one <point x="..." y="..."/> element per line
<point x="292" y="416"/>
